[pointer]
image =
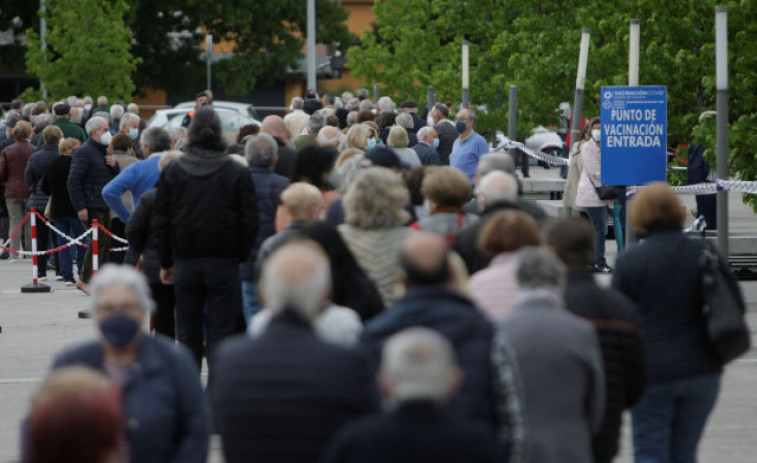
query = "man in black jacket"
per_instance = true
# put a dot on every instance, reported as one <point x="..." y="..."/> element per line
<point x="91" y="169"/>
<point x="282" y="397"/>
<point x="616" y="320"/>
<point x="206" y="217"/>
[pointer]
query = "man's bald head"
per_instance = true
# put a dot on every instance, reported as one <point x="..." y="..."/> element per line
<point x="424" y="259"/>
<point x="497" y="186"/>
<point x="328" y="137"/>
<point x="297" y="277"/>
<point x="275" y="127"/>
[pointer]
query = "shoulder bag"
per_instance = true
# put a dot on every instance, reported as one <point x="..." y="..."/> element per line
<point x="723" y="308"/>
<point x="606" y="192"/>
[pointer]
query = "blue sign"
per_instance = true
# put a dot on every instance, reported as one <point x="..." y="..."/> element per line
<point x="634" y="135"/>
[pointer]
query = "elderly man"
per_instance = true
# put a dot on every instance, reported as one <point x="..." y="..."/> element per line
<point x="140" y="176"/>
<point x="405" y="121"/>
<point x="428" y="142"/>
<point x="297" y="120"/>
<point x="62" y="116"/>
<point x="469" y="146"/>
<point x="418" y="377"/>
<point x="431" y="302"/>
<point x="261" y="154"/>
<point x="276" y="127"/>
<point x="283" y="396"/>
<point x="91" y="169"/>
<point x="328" y="137"/>
<point x="559" y="361"/>
<point x="410" y="107"/>
<point x="315" y="123"/>
<point x="102" y="105"/>
<point x="445" y="128"/>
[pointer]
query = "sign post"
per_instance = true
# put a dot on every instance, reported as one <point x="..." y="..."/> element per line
<point x="634" y="135"/>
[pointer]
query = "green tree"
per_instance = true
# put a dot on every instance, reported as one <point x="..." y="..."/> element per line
<point x="88" y="49"/>
<point x="268" y="38"/>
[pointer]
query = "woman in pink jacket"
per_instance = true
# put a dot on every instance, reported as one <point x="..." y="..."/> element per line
<point x="587" y="196"/>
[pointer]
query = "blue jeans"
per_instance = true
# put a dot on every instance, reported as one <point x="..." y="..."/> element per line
<point x="598" y="218"/>
<point x="669" y="419"/>
<point x="250" y="302"/>
<point x="72" y="227"/>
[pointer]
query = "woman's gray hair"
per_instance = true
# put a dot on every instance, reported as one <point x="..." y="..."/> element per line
<point x="540" y="269"/>
<point x="348" y="172"/>
<point x="260" y="150"/>
<point x="116" y="111"/>
<point x="376" y="200"/>
<point x="124" y="275"/>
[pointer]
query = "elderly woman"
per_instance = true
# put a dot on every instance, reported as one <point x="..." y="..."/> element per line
<point x="662" y="275"/>
<point x="167" y="417"/>
<point x="495" y="289"/>
<point x="587" y="197"/>
<point x="374" y="229"/>
<point x="446" y="190"/>
<point x="398" y="141"/>
<point x="356" y="143"/>
<point x="13" y="160"/>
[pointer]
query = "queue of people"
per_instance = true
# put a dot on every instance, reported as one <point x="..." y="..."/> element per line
<point x="360" y="306"/>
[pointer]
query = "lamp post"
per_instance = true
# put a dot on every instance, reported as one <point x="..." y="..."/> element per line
<point x="466" y="82"/>
<point x="721" y="83"/>
<point x="633" y="81"/>
<point x="311" y="84"/>
<point x="578" y="100"/>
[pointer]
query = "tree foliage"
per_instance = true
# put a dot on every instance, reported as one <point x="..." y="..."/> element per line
<point x="88" y="49"/>
<point x="535" y="46"/>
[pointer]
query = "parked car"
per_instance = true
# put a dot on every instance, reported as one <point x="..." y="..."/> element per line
<point x="231" y="118"/>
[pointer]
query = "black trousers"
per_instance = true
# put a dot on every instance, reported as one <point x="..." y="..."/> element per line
<point x="165" y="303"/>
<point x="198" y="282"/>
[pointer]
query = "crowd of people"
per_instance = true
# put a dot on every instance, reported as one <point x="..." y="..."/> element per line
<point x="364" y="283"/>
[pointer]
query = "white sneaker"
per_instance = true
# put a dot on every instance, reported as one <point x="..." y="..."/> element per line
<point x="12" y="261"/>
<point x="70" y="283"/>
<point x="59" y="278"/>
<point x="42" y="278"/>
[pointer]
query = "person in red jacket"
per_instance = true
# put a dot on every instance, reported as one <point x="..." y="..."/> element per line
<point x="13" y="160"/>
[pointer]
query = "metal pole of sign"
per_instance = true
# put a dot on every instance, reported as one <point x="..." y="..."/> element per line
<point x="430" y="99"/>
<point x="633" y="81"/>
<point x="376" y="93"/>
<point x="311" y="46"/>
<point x="466" y="76"/>
<point x="578" y="102"/>
<point x="209" y="57"/>
<point x="512" y="118"/>
<point x="42" y="39"/>
<point x="721" y="78"/>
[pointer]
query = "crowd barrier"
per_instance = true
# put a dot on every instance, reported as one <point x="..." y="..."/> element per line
<point x="32" y="216"/>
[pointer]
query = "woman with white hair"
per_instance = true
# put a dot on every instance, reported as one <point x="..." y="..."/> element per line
<point x="374" y="229"/>
<point x="167" y="417"/>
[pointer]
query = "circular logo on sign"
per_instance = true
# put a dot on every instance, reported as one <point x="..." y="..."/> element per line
<point x="608" y="94"/>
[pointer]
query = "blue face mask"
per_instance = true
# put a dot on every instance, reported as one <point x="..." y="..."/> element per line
<point x="119" y="330"/>
<point x="436" y="143"/>
<point x="460" y="127"/>
<point x="371" y="143"/>
<point x="133" y="133"/>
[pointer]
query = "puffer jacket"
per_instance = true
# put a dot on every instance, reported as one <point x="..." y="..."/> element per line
<point x="268" y="188"/>
<point x="140" y="231"/>
<point x="35" y="175"/>
<point x="13" y="162"/>
<point x="89" y="175"/>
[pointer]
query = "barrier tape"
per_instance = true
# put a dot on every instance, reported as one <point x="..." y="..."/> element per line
<point x="109" y="233"/>
<point x="71" y="241"/>
<point x="15" y="232"/>
<point x="708" y="188"/>
<point x="540" y="155"/>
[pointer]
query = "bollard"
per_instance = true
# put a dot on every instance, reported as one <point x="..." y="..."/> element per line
<point x="95" y="248"/>
<point x="35" y="287"/>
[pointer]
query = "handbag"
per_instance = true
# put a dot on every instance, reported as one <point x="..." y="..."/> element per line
<point x="723" y="308"/>
<point x="607" y="192"/>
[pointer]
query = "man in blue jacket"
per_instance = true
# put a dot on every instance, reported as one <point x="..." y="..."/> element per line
<point x="91" y="169"/>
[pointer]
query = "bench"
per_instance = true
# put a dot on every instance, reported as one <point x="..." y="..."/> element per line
<point x="553" y="186"/>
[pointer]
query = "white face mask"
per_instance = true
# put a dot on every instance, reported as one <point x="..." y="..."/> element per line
<point x="430" y="121"/>
<point x="87" y="107"/>
<point x="106" y="138"/>
<point x="596" y="134"/>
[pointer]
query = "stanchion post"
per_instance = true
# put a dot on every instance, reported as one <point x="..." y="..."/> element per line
<point x="512" y="119"/>
<point x="466" y="75"/>
<point x="35" y="287"/>
<point x="578" y="101"/>
<point x="376" y="93"/>
<point x="721" y="80"/>
<point x="95" y="247"/>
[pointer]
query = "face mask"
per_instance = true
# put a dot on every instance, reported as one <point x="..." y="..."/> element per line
<point x="597" y="134"/>
<point x="106" y="138"/>
<point x="371" y="143"/>
<point x="119" y="330"/>
<point x="133" y="133"/>
<point x="430" y="121"/>
<point x="87" y="107"/>
<point x="460" y="127"/>
<point x="436" y="143"/>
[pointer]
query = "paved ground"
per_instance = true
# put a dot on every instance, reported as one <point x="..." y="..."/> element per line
<point x="36" y="326"/>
